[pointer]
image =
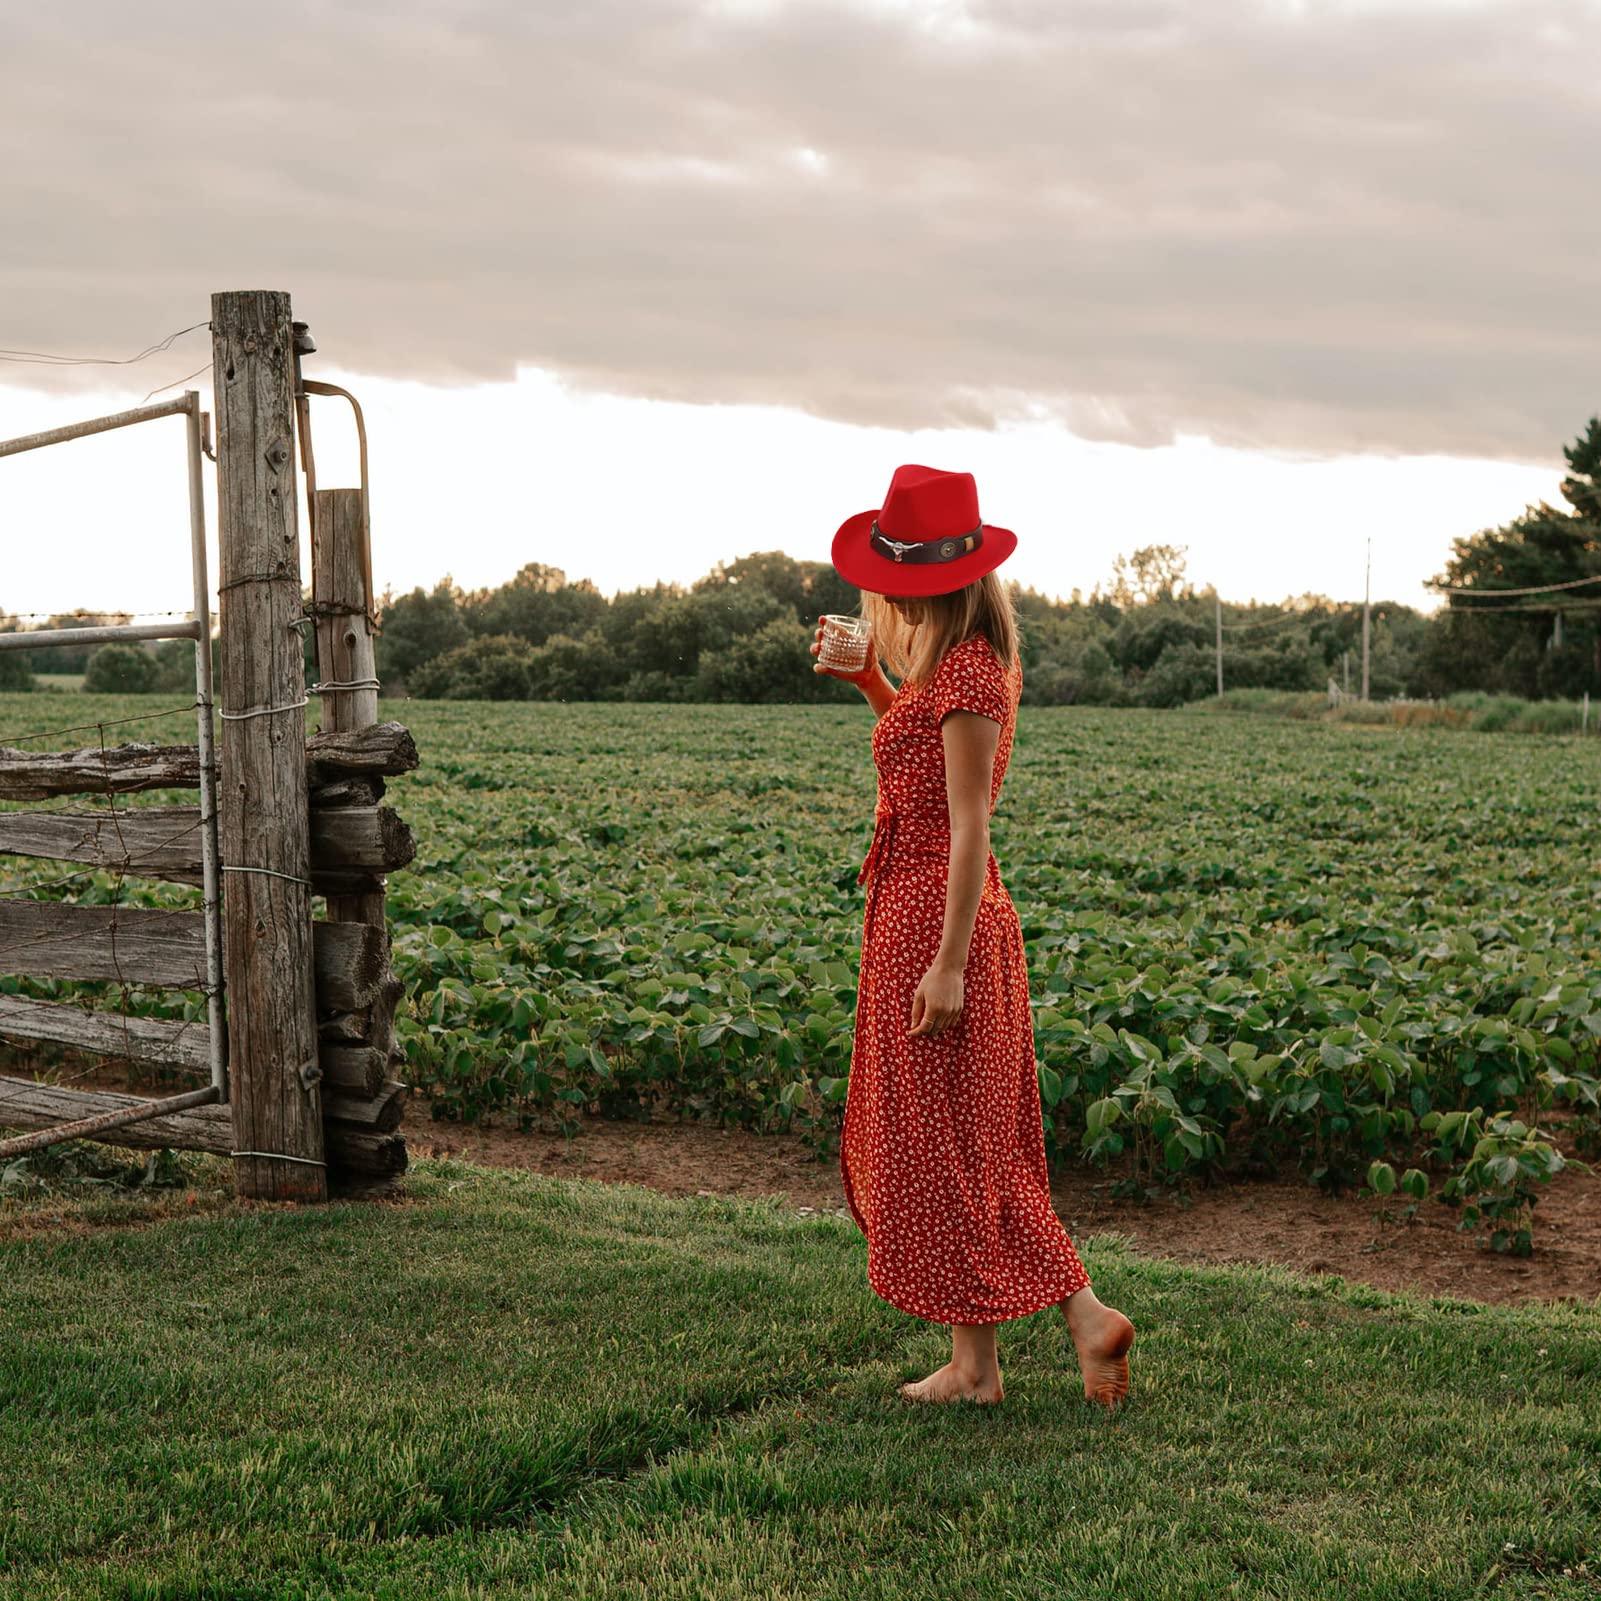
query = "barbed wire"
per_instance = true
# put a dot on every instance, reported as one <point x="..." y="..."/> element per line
<point x="107" y="722"/>
<point x="90" y="616"/>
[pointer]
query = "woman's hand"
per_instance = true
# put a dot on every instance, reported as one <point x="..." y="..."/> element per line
<point x="862" y="678"/>
<point x="938" y="1002"/>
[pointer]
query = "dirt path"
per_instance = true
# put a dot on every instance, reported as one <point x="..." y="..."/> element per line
<point x="1280" y="1221"/>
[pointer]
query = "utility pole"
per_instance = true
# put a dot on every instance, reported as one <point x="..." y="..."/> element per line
<point x="1217" y="601"/>
<point x="1367" y="610"/>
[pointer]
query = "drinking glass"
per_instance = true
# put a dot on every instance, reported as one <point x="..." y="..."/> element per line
<point x="845" y="643"/>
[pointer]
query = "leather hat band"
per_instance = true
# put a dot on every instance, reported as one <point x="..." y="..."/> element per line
<point x="926" y="551"/>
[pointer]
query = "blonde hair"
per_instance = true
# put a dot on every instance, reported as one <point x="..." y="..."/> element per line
<point x="914" y="647"/>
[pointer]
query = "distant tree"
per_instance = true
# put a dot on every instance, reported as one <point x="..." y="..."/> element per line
<point x="121" y="670"/>
<point x="773" y="664"/>
<point x="495" y="668"/>
<point x="626" y="618"/>
<point x="175" y="665"/>
<point x="667" y="639"/>
<point x="1582" y="487"/>
<point x="1148" y="631"/>
<point x="569" y="669"/>
<point x="733" y="612"/>
<point x="1151" y="573"/>
<point x="1481" y="644"/>
<point x="806" y="589"/>
<point x="535" y="604"/>
<point x="419" y="627"/>
<point x="70" y="658"/>
<point x="15" y="678"/>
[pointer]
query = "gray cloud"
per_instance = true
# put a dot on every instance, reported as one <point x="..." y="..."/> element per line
<point x="1309" y="227"/>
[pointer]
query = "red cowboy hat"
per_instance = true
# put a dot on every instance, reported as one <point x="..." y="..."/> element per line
<point x="926" y="539"/>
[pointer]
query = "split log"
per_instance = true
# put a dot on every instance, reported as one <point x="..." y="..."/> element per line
<point x="351" y="965"/>
<point x="353" y="846"/>
<point x="352" y="1071"/>
<point x="373" y="1025"/>
<point x="348" y="792"/>
<point x="380" y="748"/>
<point x="341" y="600"/>
<point x="355" y="1153"/>
<point x="133" y="1039"/>
<point x="121" y="770"/>
<point x="381" y="1028"/>
<point x="132" y="945"/>
<point x="343" y="1028"/>
<point x="26" y="1105"/>
<point x="374" y="1114"/>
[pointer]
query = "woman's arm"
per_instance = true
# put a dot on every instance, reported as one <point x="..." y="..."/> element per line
<point x="877" y="688"/>
<point x="970" y="742"/>
<point x="870" y="680"/>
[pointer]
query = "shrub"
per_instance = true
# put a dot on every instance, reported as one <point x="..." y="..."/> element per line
<point x="498" y="667"/>
<point x="121" y="670"/>
<point x="14" y="674"/>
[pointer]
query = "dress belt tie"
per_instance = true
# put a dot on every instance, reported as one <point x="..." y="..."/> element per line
<point x="883" y="831"/>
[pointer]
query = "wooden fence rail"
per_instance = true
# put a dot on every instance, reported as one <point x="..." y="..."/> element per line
<point x="347" y="843"/>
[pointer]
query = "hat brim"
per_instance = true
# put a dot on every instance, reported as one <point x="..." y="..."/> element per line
<point x="858" y="563"/>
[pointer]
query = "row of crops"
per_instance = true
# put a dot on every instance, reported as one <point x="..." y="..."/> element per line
<point x="1366" y="956"/>
<point x="1370" y="956"/>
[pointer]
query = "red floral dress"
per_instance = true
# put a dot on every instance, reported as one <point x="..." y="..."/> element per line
<point x="943" y="1151"/>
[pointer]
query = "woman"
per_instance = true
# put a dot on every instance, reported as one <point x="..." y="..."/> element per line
<point x="943" y="1151"/>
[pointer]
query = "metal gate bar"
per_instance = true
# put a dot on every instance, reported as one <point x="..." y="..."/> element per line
<point x="198" y="628"/>
<point x="99" y="425"/>
<point x="87" y="1127"/>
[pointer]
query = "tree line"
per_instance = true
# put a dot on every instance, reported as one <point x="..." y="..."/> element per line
<point x="1145" y="637"/>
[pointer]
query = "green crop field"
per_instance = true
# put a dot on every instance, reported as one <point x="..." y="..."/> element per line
<point x="1370" y="955"/>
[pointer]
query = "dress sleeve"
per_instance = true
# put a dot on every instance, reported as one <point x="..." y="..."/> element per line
<point x="970" y="679"/>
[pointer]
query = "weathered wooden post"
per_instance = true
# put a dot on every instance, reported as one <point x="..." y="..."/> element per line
<point x="267" y="933"/>
<point x="355" y="1112"/>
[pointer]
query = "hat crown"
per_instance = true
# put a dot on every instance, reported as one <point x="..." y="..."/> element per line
<point x="925" y="504"/>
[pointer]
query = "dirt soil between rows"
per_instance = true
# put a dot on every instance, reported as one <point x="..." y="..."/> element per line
<point x="1283" y="1221"/>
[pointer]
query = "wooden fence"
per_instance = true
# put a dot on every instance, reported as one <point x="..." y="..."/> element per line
<point x="308" y="1096"/>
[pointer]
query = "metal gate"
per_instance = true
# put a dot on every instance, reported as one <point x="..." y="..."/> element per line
<point x="198" y="629"/>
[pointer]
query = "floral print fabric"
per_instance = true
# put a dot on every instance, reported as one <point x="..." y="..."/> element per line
<point x="943" y="1151"/>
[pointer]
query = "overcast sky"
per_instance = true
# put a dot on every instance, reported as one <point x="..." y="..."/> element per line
<point x="633" y="286"/>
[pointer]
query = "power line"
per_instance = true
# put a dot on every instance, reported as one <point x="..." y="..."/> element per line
<point x="1554" y="606"/>
<point x="1270" y="622"/>
<point x="176" y="381"/>
<point x="45" y="358"/>
<point x="1533" y="589"/>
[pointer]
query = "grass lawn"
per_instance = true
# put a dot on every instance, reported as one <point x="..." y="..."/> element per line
<point x="511" y="1385"/>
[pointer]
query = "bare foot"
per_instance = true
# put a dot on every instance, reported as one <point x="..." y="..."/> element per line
<point x="1103" y="1337"/>
<point x="955" y="1384"/>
